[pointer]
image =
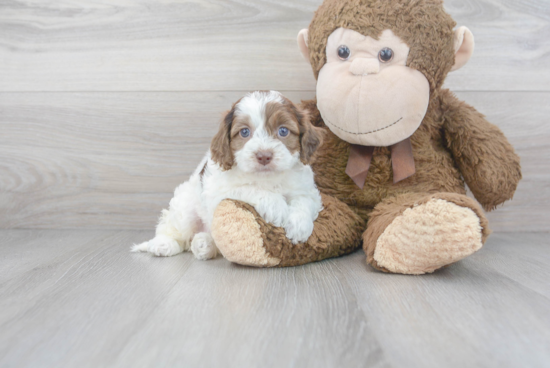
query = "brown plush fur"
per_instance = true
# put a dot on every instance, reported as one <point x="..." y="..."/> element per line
<point x="484" y="156"/>
<point x="337" y="232"/>
<point x="454" y="142"/>
<point x="453" y="145"/>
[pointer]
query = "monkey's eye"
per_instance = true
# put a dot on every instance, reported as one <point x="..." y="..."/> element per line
<point x="385" y="55"/>
<point x="344" y="52"/>
<point x="245" y="132"/>
<point x="283" y="132"/>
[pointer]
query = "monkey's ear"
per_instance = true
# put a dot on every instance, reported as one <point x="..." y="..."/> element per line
<point x="220" y="148"/>
<point x="303" y="42"/>
<point x="464" y="47"/>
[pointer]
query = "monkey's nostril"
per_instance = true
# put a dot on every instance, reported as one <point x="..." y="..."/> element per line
<point x="264" y="157"/>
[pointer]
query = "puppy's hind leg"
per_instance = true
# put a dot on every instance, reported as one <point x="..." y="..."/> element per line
<point x="177" y="226"/>
<point x="204" y="247"/>
<point x="168" y="240"/>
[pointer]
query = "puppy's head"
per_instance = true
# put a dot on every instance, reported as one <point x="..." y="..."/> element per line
<point x="265" y="132"/>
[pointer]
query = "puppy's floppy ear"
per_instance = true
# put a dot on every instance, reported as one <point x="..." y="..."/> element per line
<point x="311" y="137"/>
<point x="220" y="147"/>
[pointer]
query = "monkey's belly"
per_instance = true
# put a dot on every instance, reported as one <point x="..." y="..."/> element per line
<point x="435" y="172"/>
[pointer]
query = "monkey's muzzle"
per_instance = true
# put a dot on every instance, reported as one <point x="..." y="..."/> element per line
<point x="379" y="109"/>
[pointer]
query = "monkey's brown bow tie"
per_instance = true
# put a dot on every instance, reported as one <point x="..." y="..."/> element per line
<point x="402" y="162"/>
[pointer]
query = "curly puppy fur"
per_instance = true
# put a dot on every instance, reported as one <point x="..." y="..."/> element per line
<point x="260" y="155"/>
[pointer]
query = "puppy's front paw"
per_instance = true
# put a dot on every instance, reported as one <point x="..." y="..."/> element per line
<point x="274" y="212"/>
<point x="204" y="247"/>
<point x="298" y="228"/>
<point x="161" y="246"/>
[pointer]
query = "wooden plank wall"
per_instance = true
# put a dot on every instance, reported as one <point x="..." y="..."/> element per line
<point x="105" y="106"/>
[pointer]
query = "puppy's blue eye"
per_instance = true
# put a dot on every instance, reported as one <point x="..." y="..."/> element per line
<point x="283" y="132"/>
<point x="245" y="132"/>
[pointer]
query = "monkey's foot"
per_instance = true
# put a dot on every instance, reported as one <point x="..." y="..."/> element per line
<point x="243" y="237"/>
<point x="427" y="234"/>
<point x="238" y="236"/>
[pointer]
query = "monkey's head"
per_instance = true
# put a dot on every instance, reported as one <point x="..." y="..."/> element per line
<point x="378" y="63"/>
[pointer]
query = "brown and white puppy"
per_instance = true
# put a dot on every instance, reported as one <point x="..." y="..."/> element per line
<point x="264" y="131"/>
<point x="260" y="156"/>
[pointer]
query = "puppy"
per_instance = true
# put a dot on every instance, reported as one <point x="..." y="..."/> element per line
<point x="260" y="156"/>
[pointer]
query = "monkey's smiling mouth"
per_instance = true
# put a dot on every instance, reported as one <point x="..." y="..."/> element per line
<point x="369" y="132"/>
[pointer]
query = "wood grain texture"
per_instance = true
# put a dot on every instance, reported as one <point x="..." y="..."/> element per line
<point x="98" y="305"/>
<point x="474" y="311"/>
<point x="220" y="45"/>
<point x="112" y="160"/>
<point x="77" y="298"/>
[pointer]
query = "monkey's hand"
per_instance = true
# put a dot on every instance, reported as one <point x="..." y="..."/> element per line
<point x="486" y="159"/>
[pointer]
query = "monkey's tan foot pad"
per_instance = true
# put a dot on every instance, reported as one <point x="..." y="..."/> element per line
<point x="238" y="236"/>
<point x="427" y="237"/>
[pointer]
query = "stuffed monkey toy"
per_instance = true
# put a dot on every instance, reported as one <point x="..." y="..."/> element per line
<point x="398" y="149"/>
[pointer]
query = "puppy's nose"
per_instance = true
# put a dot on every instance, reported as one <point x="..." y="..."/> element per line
<point x="264" y="157"/>
<point x="364" y="66"/>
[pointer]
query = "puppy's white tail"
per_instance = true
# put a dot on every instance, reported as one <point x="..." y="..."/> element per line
<point x="139" y="247"/>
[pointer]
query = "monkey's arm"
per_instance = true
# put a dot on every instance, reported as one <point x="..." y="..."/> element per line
<point x="244" y="237"/>
<point x="486" y="159"/>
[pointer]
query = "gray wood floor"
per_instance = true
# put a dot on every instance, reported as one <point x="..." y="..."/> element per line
<point x="78" y="298"/>
<point x="105" y="106"/>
